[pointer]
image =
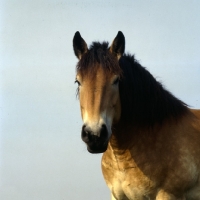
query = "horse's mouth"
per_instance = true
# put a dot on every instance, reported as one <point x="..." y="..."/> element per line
<point x="99" y="149"/>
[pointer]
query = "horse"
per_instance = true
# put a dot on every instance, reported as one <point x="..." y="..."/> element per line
<point x="150" y="139"/>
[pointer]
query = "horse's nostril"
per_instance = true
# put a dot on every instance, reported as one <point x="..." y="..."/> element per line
<point x="84" y="133"/>
<point x="103" y="126"/>
<point x="104" y="131"/>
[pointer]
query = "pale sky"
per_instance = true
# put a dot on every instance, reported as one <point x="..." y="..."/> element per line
<point x="42" y="156"/>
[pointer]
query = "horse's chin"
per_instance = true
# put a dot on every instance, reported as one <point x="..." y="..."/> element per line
<point x="97" y="150"/>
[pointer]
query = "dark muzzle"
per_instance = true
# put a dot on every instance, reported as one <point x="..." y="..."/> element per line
<point x="97" y="141"/>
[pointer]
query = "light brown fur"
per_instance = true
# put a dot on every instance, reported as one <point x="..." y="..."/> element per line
<point x="167" y="169"/>
<point x="94" y="109"/>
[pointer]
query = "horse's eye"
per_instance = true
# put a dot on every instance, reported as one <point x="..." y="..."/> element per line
<point x="116" y="81"/>
<point x="76" y="81"/>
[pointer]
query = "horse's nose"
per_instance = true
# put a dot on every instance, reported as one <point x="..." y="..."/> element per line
<point x="94" y="137"/>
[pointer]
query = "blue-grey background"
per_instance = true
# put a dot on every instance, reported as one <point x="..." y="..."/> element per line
<point x="42" y="156"/>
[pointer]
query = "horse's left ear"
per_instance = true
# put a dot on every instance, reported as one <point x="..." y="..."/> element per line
<point x="118" y="46"/>
<point x="79" y="44"/>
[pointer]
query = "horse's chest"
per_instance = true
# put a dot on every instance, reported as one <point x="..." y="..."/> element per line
<point x="139" y="187"/>
<point x="127" y="181"/>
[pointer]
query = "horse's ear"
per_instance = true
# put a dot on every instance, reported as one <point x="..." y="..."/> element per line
<point x="118" y="46"/>
<point x="79" y="44"/>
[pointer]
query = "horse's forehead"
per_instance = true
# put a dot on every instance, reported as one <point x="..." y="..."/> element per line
<point x="97" y="74"/>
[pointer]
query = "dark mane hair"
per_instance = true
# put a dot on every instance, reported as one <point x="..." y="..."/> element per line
<point x="144" y="100"/>
<point x="98" y="53"/>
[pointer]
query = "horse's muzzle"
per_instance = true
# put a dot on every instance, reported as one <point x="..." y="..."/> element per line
<point x="97" y="141"/>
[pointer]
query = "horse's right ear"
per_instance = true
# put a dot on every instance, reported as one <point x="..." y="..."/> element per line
<point x="79" y="44"/>
<point x="118" y="46"/>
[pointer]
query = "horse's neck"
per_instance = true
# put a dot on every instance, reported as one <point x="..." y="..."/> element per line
<point x="127" y="141"/>
<point x="121" y="158"/>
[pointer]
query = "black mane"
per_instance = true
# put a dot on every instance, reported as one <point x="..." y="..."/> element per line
<point x="144" y="100"/>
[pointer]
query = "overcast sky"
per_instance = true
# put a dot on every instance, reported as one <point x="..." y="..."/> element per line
<point x="42" y="156"/>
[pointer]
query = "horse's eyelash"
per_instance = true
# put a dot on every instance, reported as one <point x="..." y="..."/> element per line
<point x="116" y="81"/>
<point x="76" y="81"/>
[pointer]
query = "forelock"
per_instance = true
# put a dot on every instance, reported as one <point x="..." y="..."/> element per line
<point x="98" y="55"/>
